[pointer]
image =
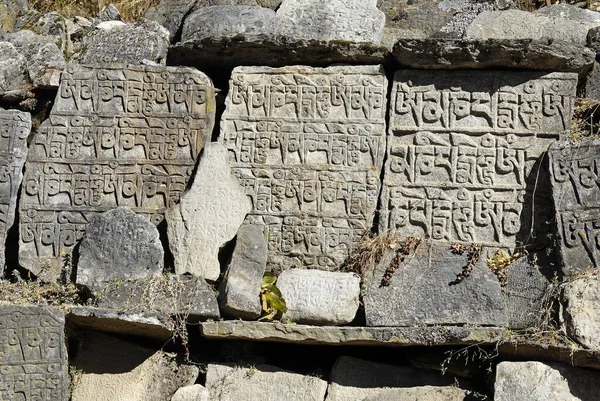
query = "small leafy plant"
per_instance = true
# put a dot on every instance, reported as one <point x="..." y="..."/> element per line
<point x="271" y="299"/>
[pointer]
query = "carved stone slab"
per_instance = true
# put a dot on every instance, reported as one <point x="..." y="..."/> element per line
<point x="15" y="127"/>
<point x="119" y="136"/>
<point x="464" y="153"/>
<point x="318" y="297"/>
<point x="119" y="245"/>
<point x="307" y="145"/>
<point x="33" y="354"/>
<point x="575" y="169"/>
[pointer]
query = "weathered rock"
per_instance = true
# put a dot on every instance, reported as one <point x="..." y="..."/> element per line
<point x="10" y="11"/>
<point x="456" y="200"/>
<point x="425" y="393"/>
<point x="195" y="392"/>
<point x="592" y="83"/>
<point x="108" y="13"/>
<point x="116" y="42"/>
<point x="170" y="14"/>
<point x="170" y="295"/>
<point x="463" y="13"/>
<point x="110" y="147"/>
<point x="332" y="189"/>
<point x="357" y="379"/>
<point x="208" y="216"/>
<point x="434" y="53"/>
<point x="580" y="311"/>
<point x="571" y="13"/>
<point x="319" y="297"/>
<point x="593" y="39"/>
<point x="50" y="25"/>
<point x="229" y="21"/>
<point x="537" y="381"/>
<point x="218" y="53"/>
<point x="113" y="369"/>
<point x="239" y="294"/>
<point x="577" y="203"/>
<point x="34" y="354"/>
<point x="119" y="245"/>
<point x="424" y="291"/>
<point x="45" y="61"/>
<point x="13" y="69"/>
<point x="149" y="325"/>
<point x="15" y="127"/>
<point x="517" y="24"/>
<point x="225" y="382"/>
<point x="351" y="20"/>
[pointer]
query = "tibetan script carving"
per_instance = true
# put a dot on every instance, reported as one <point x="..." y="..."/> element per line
<point x="119" y="136"/>
<point x="33" y="356"/>
<point x="15" y="127"/>
<point x="575" y="169"/>
<point x="307" y="145"/>
<point x="464" y="154"/>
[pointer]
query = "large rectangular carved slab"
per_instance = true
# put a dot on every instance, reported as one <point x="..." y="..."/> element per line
<point x="15" y="127"/>
<point x="575" y="169"/>
<point x="33" y="354"/>
<point x="464" y="154"/>
<point x="307" y="144"/>
<point x="119" y="136"/>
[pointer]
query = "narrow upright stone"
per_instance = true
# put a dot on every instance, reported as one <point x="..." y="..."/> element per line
<point x="119" y="245"/>
<point x="574" y="168"/>
<point x="15" y="127"/>
<point x="117" y="136"/>
<point x="307" y="145"/>
<point x="33" y="362"/>
<point x="208" y="216"/>
<point x="318" y="297"/>
<point x="239" y="295"/>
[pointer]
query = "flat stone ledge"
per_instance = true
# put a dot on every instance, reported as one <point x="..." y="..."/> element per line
<point x="432" y="53"/>
<point x="218" y="52"/>
<point x="508" y="347"/>
<point x="150" y="325"/>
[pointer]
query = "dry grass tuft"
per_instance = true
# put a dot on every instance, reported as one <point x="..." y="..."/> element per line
<point x="586" y="120"/>
<point x="131" y="10"/>
<point x="23" y="292"/>
<point x="369" y="252"/>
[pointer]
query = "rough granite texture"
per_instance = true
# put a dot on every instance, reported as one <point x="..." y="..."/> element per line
<point x="208" y="216"/>
<point x="194" y="392"/>
<point x="319" y="297"/>
<point x="119" y="245"/>
<point x="580" y="305"/>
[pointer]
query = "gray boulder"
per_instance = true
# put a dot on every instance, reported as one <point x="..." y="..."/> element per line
<point x="170" y="295"/>
<point x="319" y="297"/>
<point x="239" y="294"/>
<point x="581" y="311"/>
<point x="170" y="14"/>
<point x="108" y="13"/>
<point x="537" y="381"/>
<point x="119" y="245"/>
<point x="117" y="42"/>
<point x="10" y="11"/>
<point x="52" y="25"/>
<point x="14" y="75"/>
<point x="194" y="392"/>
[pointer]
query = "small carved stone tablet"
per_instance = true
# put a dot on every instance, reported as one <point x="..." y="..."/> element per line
<point x="307" y="145"/>
<point x="575" y="170"/>
<point x="15" y="127"/>
<point x="33" y="354"/>
<point x="118" y="136"/>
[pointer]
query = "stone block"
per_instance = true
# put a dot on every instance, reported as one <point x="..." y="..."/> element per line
<point x="517" y="24"/>
<point x="208" y="216"/>
<point x="425" y="393"/>
<point x="34" y="354"/>
<point x="186" y="296"/>
<point x="577" y="203"/>
<point x="580" y="311"/>
<point x="319" y="297"/>
<point x="315" y="184"/>
<point x="97" y="136"/>
<point x="358" y="379"/>
<point x="263" y="382"/>
<point x="424" y="290"/>
<point x="194" y="392"/>
<point x="537" y="381"/>
<point x="170" y="14"/>
<point x="14" y="75"/>
<point x="116" y="42"/>
<point x="119" y="245"/>
<point x="436" y="54"/>
<point x="108" y="368"/>
<point x="15" y="127"/>
<point x="239" y="294"/>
